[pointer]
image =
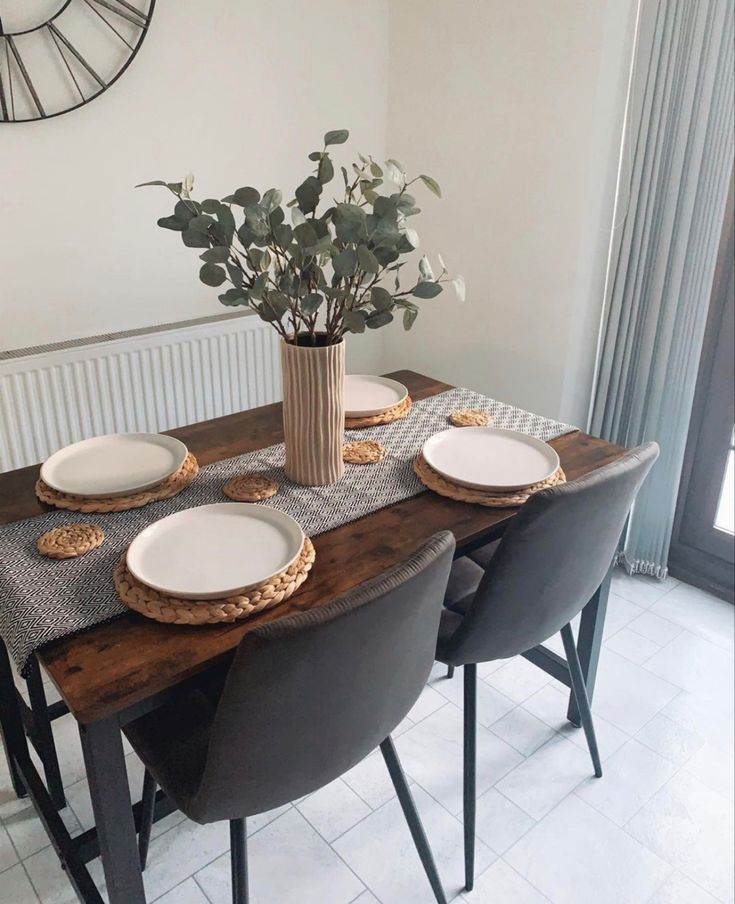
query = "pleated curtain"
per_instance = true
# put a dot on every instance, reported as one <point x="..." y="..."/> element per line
<point x="675" y="169"/>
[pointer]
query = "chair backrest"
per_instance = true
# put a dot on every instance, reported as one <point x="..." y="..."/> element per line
<point x="552" y="558"/>
<point x="309" y="696"/>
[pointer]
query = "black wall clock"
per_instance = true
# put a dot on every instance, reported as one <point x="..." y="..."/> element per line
<point x="57" y="55"/>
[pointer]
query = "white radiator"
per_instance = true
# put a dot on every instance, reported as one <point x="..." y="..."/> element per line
<point x="142" y="380"/>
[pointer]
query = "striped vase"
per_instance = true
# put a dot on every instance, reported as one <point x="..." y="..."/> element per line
<point x="313" y="412"/>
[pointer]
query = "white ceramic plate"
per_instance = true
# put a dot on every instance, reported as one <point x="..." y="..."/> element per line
<point x="366" y="395"/>
<point x="213" y="551"/>
<point x="489" y="458"/>
<point x="114" y="465"/>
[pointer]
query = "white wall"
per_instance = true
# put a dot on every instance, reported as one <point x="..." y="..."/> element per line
<point x="514" y="105"/>
<point x="516" y="108"/>
<point x="237" y="91"/>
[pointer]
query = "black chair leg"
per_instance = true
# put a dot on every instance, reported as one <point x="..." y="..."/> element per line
<point x="450" y="671"/>
<point x="148" y="801"/>
<point x="412" y="817"/>
<point x="470" y="772"/>
<point x="580" y="695"/>
<point x="43" y="735"/>
<point x="239" y="861"/>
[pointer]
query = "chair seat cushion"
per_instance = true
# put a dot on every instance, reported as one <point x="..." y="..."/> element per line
<point x="484" y="554"/>
<point x="464" y="579"/>
<point x="172" y="742"/>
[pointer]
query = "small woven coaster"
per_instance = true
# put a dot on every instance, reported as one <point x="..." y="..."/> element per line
<point x="70" y="541"/>
<point x="470" y="417"/>
<point x="164" y="490"/>
<point x="434" y="481"/>
<point x="387" y="417"/>
<point x="250" y="487"/>
<point x="175" y="611"/>
<point x="362" y="452"/>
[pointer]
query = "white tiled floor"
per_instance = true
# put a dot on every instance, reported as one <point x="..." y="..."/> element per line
<point x="656" y="829"/>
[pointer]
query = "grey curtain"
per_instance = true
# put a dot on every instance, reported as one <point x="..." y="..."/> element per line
<point x="675" y="171"/>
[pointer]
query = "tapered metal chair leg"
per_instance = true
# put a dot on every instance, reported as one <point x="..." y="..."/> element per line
<point x="148" y="802"/>
<point x="450" y="671"/>
<point x="412" y="817"/>
<point x="239" y="861"/>
<point x="470" y="772"/>
<point x="579" y="689"/>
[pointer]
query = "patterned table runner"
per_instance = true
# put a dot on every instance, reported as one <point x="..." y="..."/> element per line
<point x="42" y="599"/>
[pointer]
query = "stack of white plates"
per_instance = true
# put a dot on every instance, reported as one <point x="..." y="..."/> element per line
<point x="366" y="396"/>
<point x="490" y="458"/>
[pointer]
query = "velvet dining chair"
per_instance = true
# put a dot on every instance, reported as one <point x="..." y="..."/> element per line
<point x="516" y="593"/>
<point x="306" y="698"/>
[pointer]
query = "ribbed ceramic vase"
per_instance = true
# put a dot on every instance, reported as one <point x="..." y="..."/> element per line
<point x="313" y="412"/>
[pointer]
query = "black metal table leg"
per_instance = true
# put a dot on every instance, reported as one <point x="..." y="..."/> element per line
<point x="589" y="643"/>
<point x="43" y="735"/>
<point x="104" y="759"/>
<point x="11" y="722"/>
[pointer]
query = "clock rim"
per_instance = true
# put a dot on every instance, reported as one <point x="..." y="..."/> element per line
<point x="82" y="103"/>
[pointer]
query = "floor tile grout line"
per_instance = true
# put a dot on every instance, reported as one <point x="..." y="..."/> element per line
<point x="30" y="882"/>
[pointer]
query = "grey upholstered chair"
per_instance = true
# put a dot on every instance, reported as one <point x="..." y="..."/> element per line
<point x="515" y="594"/>
<point x="306" y="698"/>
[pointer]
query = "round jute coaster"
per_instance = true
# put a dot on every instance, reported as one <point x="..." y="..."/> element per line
<point x="387" y="417"/>
<point x="175" y="611"/>
<point x="434" y="481"/>
<point x="363" y="452"/>
<point x="70" y="541"/>
<point x="164" y="490"/>
<point x="250" y="487"/>
<point x="470" y="417"/>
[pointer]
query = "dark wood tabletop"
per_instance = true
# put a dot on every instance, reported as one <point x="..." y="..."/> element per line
<point x="110" y="667"/>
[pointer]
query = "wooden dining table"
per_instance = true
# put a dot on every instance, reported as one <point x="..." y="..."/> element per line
<point x="115" y="672"/>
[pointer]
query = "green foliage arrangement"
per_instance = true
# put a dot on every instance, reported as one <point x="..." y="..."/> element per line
<point x="324" y="274"/>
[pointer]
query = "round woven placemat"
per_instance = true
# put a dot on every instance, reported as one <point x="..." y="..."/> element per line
<point x="175" y="611"/>
<point x="470" y="417"/>
<point x="363" y="452"/>
<point x="70" y="541"/>
<point x="250" y="487"/>
<point x="387" y="417"/>
<point x="434" y="481"/>
<point x="169" y="487"/>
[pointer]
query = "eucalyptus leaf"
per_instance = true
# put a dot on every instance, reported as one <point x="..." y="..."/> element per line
<point x="172" y="223"/>
<point x="234" y="297"/>
<point x="200" y="223"/>
<point x="258" y="286"/>
<point x="425" y="269"/>
<point x="193" y="239"/>
<point x="409" y="317"/>
<point x="315" y="155"/>
<point x="427" y="290"/>
<point x="378" y="319"/>
<point x="381" y="298"/>
<point x="212" y="275"/>
<point x="244" y="196"/>
<point x="185" y="210"/>
<point x="217" y="255"/>
<point x="432" y="185"/>
<point x="311" y="303"/>
<point x="459" y="287"/>
<point x="367" y="260"/>
<point x="326" y="170"/>
<point x="345" y="263"/>
<point x="354" y="321"/>
<point x="336" y="136"/>
<point x="271" y="199"/>
<point x="308" y="193"/>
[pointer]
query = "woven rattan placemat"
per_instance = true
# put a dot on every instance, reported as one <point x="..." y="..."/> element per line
<point x="387" y="417"/>
<point x="169" y="609"/>
<point x="164" y="490"/>
<point x="434" y="481"/>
